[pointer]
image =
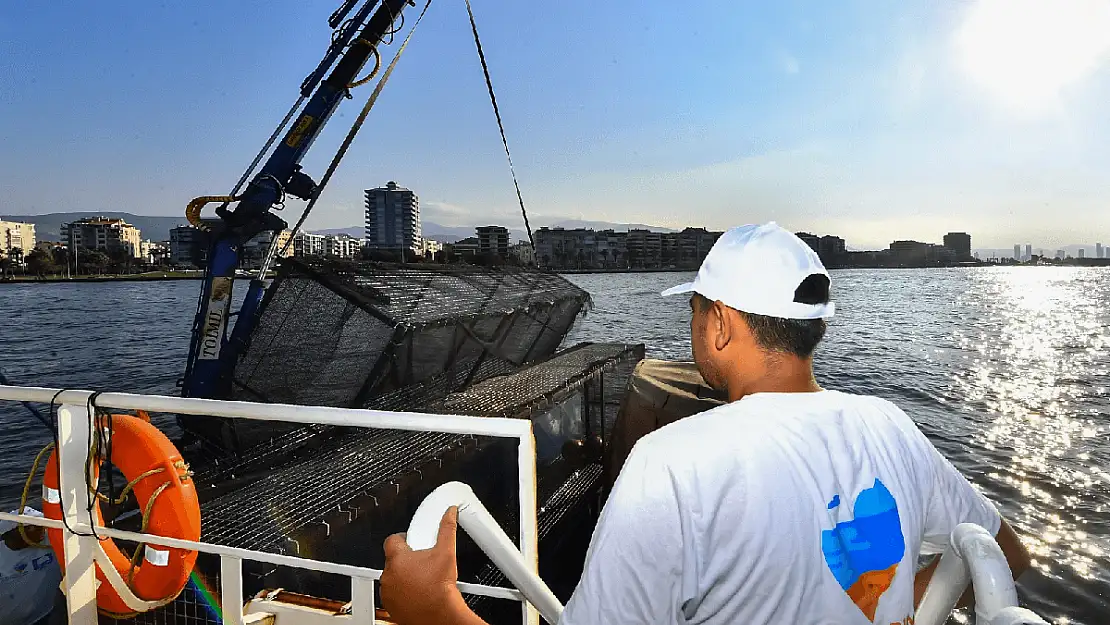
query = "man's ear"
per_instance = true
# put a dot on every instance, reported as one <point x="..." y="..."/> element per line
<point x="721" y="323"/>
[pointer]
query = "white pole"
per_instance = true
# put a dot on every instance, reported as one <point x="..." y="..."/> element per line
<point x="231" y="589"/>
<point x="80" y="578"/>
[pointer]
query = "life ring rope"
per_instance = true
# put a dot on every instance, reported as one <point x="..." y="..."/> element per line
<point x="122" y="594"/>
<point x="26" y="491"/>
<point x="127" y="489"/>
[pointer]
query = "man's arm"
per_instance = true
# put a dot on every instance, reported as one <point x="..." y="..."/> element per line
<point x="1017" y="557"/>
<point x="954" y="500"/>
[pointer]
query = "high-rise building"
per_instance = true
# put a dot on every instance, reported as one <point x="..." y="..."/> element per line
<point x="829" y="248"/>
<point x="960" y="243"/>
<point x="393" y="219"/>
<point x="342" y="246"/>
<point x="1061" y="255"/>
<point x="1082" y="252"/>
<point x="1098" y="250"/>
<point x="909" y="252"/>
<point x="1028" y="251"/>
<point x="16" y="235"/>
<point x="103" y="234"/>
<point x="1017" y="252"/>
<point x="493" y="241"/>
<point x="812" y="240"/>
<point x="189" y="246"/>
<point x="523" y="253"/>
<point x="253" y="253"/>
<point x="308" y="244"/>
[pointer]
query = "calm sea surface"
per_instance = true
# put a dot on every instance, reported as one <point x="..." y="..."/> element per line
<point x="1006" y="370"/>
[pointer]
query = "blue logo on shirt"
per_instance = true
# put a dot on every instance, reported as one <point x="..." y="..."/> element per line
<point x="863" y="553"/>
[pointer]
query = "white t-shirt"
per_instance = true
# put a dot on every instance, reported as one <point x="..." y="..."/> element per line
<point x="780" y="508"/>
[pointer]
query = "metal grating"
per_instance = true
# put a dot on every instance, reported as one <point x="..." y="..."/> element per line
<point x="194" y="606"/>
<point x="277" y="502"/>
<point x="539" y="384"/>
<point x="267" y="515"/>
<point x="561" y="501"/>
<point x="359" y="334"/>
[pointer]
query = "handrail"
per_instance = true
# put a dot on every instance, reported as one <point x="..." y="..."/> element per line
<point x="973" y="556"/>
<point x="481" y="526"/>
<point x="80" y="549"/>
<point x="290" y="413"/>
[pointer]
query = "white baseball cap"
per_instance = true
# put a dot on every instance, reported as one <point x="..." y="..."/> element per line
<point x="757" y="269"/>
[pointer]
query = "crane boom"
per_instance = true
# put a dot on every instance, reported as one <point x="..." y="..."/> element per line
<point x="212" y="353"/>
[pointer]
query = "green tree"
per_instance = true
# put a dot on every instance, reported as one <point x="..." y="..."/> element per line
<point x="41" y="263"/>
<point x="5" y="266"/>
<point x="92" y="262"/>
<point x="62" y="257"/>
<point x="16" y="254"/>
<point x="120" y="260"/>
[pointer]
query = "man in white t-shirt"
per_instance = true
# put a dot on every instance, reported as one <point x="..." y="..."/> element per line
<point x="790" y="504"/>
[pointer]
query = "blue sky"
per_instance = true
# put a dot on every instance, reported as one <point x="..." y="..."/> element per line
<point x="874" y="120"/>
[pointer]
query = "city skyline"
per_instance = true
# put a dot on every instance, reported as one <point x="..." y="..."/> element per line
<point x="885" y="121"/>
<point x="851" y="244"/>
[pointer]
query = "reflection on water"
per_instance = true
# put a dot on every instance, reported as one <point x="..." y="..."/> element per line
<point x="1006" y="370"/>
<point x="1038" y="362"/>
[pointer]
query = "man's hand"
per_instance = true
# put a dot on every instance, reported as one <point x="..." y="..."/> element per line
<point x="419" y="587"/>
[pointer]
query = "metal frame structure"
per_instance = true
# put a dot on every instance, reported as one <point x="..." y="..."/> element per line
<point x="80" y="546"/>
<point x="213" y="352"/>
<point x="376" y="335"/>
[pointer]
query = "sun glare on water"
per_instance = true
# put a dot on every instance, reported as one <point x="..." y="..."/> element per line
<point x="1025" y="52"/>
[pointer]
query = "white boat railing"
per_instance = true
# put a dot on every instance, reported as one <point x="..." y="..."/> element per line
<point x="81" y="546"/>
<point x="974" y="556"/>
<point x="487" y="534"/>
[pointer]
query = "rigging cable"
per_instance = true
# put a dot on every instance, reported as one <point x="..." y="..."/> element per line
<point x="96" y="443"/>
<point x="500" y="125"/>
<point x="34" y="411"/>
<point x="351" y="134"/>
<point x="266" y="148"/>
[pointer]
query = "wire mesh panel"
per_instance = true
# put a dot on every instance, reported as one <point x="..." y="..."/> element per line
<point x="347" y="334"/>
<point x="337" y="500"/>
<point x="275" y="503"/>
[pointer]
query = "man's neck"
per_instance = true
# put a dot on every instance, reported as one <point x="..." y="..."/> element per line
<point x="786" y="375"/>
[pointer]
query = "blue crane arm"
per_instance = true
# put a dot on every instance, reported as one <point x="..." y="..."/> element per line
<point x="212" y="353"/>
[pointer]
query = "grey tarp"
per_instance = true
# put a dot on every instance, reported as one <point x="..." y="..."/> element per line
<point x="660" y="392"/>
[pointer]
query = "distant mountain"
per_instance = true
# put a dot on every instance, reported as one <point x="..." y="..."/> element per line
<point x="606" y="225"/>
<point x="49" y="227"/>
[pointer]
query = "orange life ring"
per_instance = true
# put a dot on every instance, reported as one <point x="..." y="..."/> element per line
<point x="151" y="462"/>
